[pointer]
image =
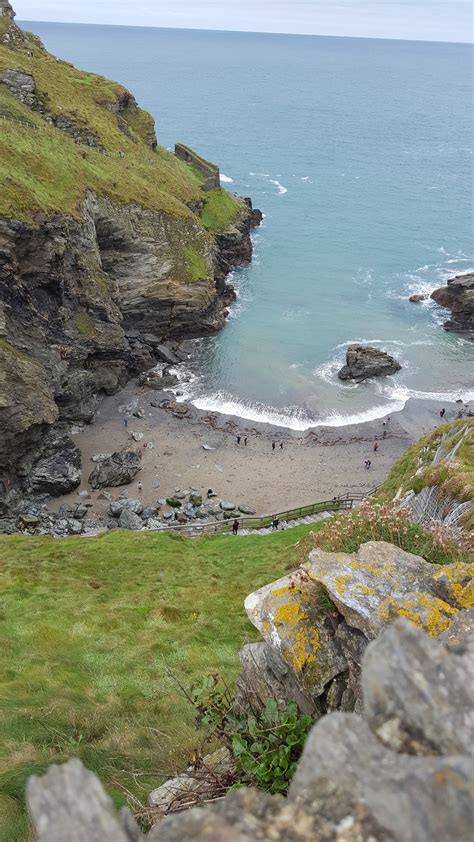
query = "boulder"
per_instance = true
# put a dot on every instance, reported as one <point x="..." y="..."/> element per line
<point x="120" y="469"/>
<point x="418" y="694"/>
<point x="195" y="499"/>
<point x="289" y="616"/>
<point x="136" y="436"/>
<point x="458" y="296"/>
<point x="417" y="297"/>
<point x="363" y="362"/>
<point x="55" y="467"/>
<point x="210" y="780"/>
<point x="166" y="355"/>
<point x="410" y="799"/>
<point x="247" y="510"/>
<point x="70" y="803"/>
<point x="380" y="582"/>
<point x="130" y="520"/>
<point x="227" y="506"/>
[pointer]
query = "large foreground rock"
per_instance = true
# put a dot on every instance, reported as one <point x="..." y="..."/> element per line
<point x="350" y="784"/>
<point x="363" y="362"/>
<point x="458" y="296"/>
<point x="119" y="469"/>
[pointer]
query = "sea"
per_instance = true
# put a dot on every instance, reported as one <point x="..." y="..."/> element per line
<point x="359" y="152"/>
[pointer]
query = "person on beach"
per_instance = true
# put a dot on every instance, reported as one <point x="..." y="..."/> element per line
<point x="376" y="446"/>
<point x="235" y="527"/>
<point x="281" y="445"/>
<point x="238" y="439"/>
<point x="245" y="441"/>
<point x="125" y="422"/>
<point x="273" y="445"/>
<point x="367" y="463"/>
<point x="384" y="435"/>
<point x="210" y="493"/>
<point x="442" y="413"/>
<point x="140" y="486"/>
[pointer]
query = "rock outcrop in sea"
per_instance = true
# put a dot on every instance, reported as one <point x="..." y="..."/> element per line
<point x="363" y="361"/>
<point x="380" y="646"/>
<point x="110" y="247"/>
<point x="458" y="296"/>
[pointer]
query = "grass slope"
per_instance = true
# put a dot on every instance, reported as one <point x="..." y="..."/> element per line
<point x="88" y="627"/>
<point x="454" y="477"/>
<point x="43" y="169"/>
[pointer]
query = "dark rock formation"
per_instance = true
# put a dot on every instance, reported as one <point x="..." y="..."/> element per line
<point x="458" y="296"/>
<point x="54" y="467"/>
<point x="118" y="469"/>
<point x="363" y="362"/>
<point x="354" y="783"/>
<point x="417" y="297"/>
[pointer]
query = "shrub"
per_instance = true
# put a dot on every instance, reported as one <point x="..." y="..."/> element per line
<point x="385" y="522"/>
<point x="266" y="744"/>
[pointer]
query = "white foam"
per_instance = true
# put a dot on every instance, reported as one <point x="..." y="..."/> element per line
<point x="291" y="417"/>
<point x="280" y="187"/>
<point x="403" y="393"/>
<point x="226" y="179"/>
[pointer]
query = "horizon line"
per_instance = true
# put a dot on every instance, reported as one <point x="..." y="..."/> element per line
<point x="248" y="32"/>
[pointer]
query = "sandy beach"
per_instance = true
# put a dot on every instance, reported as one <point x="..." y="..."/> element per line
<point x="314" y="465"/>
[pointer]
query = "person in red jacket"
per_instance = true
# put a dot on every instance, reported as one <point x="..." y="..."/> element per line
<point x="376" y="446"/>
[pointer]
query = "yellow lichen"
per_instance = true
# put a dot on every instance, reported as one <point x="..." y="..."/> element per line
<point x="302" y="639"/>
<point x="423" y="610"/>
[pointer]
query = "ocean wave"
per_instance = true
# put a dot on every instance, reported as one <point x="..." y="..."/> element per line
<point x="290" y="417"/>
<point x="226" y="179"/>
<point x="403" y="393"/>
<point x="279" y="186"/>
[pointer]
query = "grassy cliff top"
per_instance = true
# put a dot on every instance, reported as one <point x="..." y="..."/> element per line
<point x="42" y="168"/>
<point x="452" y="473"/>
<point x="89" y="628"/>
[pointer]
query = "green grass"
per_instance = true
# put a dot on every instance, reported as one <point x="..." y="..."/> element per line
<point x="195" y="264"/>
<point x="88" y="628"/>
<point x="220" y="209"/>
<point x="415" y="471"/>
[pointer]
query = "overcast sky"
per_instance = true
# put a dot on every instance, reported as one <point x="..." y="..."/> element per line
<point x="432" y="20"/>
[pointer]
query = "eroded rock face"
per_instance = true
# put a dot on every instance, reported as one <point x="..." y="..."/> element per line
<point x="67" y="289"/>
<point x="351" y="784"/>
<point x="55" y="467"/>
<point x="119" y="469"/>
<point x="363" y="362"/>
<point x="458" y="296"/>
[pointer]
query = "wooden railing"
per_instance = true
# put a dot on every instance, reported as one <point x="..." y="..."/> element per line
<point x="337" y="504"/>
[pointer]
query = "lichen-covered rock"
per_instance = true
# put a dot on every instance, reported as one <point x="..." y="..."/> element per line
<point x="380" y="582"/>
<point x="264" y="675"/>
<point x="119" y="469"/>
<point x="290" y="618"/>
<point x="417" y="693"/>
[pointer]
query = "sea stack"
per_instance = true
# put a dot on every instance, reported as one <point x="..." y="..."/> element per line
<point x="363" y="361"/>
<point x="458" y="296"/>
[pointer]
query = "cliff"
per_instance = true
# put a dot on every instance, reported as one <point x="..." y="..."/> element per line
<point x="102" y="232"/>
<point x="434" y="479"/>
<point x="458" y="296"/>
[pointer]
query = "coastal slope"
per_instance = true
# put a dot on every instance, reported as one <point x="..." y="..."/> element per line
<point x="102" y="233"/>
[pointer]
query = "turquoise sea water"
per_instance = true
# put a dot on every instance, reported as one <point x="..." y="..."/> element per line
<point x="359" y="152"/>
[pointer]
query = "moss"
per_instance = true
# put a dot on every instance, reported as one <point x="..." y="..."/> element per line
<point x="220" y="209"/>
<point x="10" y="349"/>
<point x="195" y="264"/>
<point x="84" y="325"/>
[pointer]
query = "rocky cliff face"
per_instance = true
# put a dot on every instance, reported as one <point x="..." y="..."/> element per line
<point x="129" y="254"/>
<point x="458" y="296"/>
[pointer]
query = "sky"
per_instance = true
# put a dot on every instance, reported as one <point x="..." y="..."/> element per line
<point x="427" y="20"/>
